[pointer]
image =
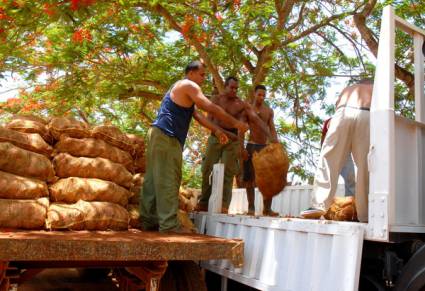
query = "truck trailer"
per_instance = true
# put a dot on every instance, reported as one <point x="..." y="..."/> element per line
<point x="388" y="252"/>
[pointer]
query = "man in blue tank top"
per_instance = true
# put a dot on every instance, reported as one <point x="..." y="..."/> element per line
<point x="166" y="138"/>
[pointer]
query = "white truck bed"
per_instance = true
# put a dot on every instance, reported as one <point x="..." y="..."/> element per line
<point x="287" y="253"/>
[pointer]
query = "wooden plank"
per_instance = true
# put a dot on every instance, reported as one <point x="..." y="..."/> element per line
<point x="132" y="245"/>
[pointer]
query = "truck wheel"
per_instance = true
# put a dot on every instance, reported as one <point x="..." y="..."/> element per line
<point x="182" y="276"/>
<point x="412" y="277"/>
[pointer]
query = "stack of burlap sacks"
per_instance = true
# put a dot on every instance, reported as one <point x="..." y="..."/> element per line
<point x="25" y="169"/>
<point x="94" y="169"/>
<point x="139" y="168"/>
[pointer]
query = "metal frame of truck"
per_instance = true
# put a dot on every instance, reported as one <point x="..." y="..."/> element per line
<point x="389" y="250"/>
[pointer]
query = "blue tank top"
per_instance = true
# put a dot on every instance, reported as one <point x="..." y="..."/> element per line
<point x="173" y="119"/>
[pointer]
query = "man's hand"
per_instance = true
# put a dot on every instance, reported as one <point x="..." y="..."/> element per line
<point x="222" y="137"/>
<point x="242" y="127"/>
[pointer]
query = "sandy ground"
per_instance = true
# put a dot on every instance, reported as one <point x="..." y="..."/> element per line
<point x="66" y="280"/>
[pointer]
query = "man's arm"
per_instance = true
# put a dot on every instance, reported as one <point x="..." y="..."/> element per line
<point x="215" y="129"/>
<point x="272" y="128"/>
<point x="254" y="118"/>
<point x="195" y="93"/>
<point x="241" y="139"/>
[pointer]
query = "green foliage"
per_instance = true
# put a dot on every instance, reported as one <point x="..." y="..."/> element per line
<point x="112" y="61"/>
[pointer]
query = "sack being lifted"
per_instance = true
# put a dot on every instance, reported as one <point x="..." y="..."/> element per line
<point x="271" y="167"/>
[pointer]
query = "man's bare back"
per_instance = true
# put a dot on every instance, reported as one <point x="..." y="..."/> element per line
<point x="358" y="95"/>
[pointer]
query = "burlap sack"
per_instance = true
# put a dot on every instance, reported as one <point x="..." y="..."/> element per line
<point x="94" y="148"/>
<point x="28" y="141"/>
<point x="113" y="135"/>
<point x="25" y="125"/>
<point x="136" y="189"/>
<point x="138" y="143"/>
<point x="72" y="189"/>
<point x="30" y="118"/>
<point x="85" y="215"/>
<point x="140" y="164"/>
<point x="185" y="221"/>
<point x="135" y="198"/>
<point x="271" y="167"/>
<point x="17" y="187"/>
<point x="134" y="216"/>
<point x="186" y="199"/>
<point x="69" y="166"/>
<point x="25" y="163"/>
<point x="68" y="126"/>
<point x="138" y="179"/>
<point x="342" y="209"/>
<point x="26" y="214"/>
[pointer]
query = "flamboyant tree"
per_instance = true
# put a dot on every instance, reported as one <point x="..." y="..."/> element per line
<point x="114" y="60"/>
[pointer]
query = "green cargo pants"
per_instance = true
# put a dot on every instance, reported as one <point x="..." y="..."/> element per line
<point x="159" y="195"/>
<point x="228" y="154"/>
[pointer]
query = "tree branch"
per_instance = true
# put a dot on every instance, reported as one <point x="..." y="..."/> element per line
<point x="140" y="93"/>
<point x="371" y="41"/>
<point x="199" y="48"/>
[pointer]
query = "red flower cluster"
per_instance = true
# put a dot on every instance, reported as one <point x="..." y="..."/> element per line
<point x="49" y="9"/>
<point x="77" y="4"/>
<point x="81" y="35"/>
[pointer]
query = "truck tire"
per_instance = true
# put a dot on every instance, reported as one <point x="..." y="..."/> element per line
<point x="182" y="276"/>
<point x="412" y="277"/>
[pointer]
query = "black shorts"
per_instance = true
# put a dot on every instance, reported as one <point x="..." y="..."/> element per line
<point x="248" y="168"/>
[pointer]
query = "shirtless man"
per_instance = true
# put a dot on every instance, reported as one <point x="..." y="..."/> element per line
<point x="166" y="138"/>
<point x="348" y="132"/>
<point x="229" y="152"/>
<point x="258" y="138"/>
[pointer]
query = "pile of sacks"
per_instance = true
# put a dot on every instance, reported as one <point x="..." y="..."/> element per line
<point x="94" y="170"/>
<point x="25" y="170"/>
<point x="134" y="202"/>
<point x="90" y="176"/>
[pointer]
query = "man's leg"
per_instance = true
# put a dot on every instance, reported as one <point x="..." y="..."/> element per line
<point x="211" y="157"/>
<point x="230" y="158"/>
<point x="248" y="178"/>
<point x="147" y="194"/>
<point x="268" y="207"/>
<point x="164" y="164"/>
<point x="349" y="176"/>
<point x="360" y="151"/>
<point x="335" y="149"/>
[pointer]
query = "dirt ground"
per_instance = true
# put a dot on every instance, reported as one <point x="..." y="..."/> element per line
<point x="66" y="280"/>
